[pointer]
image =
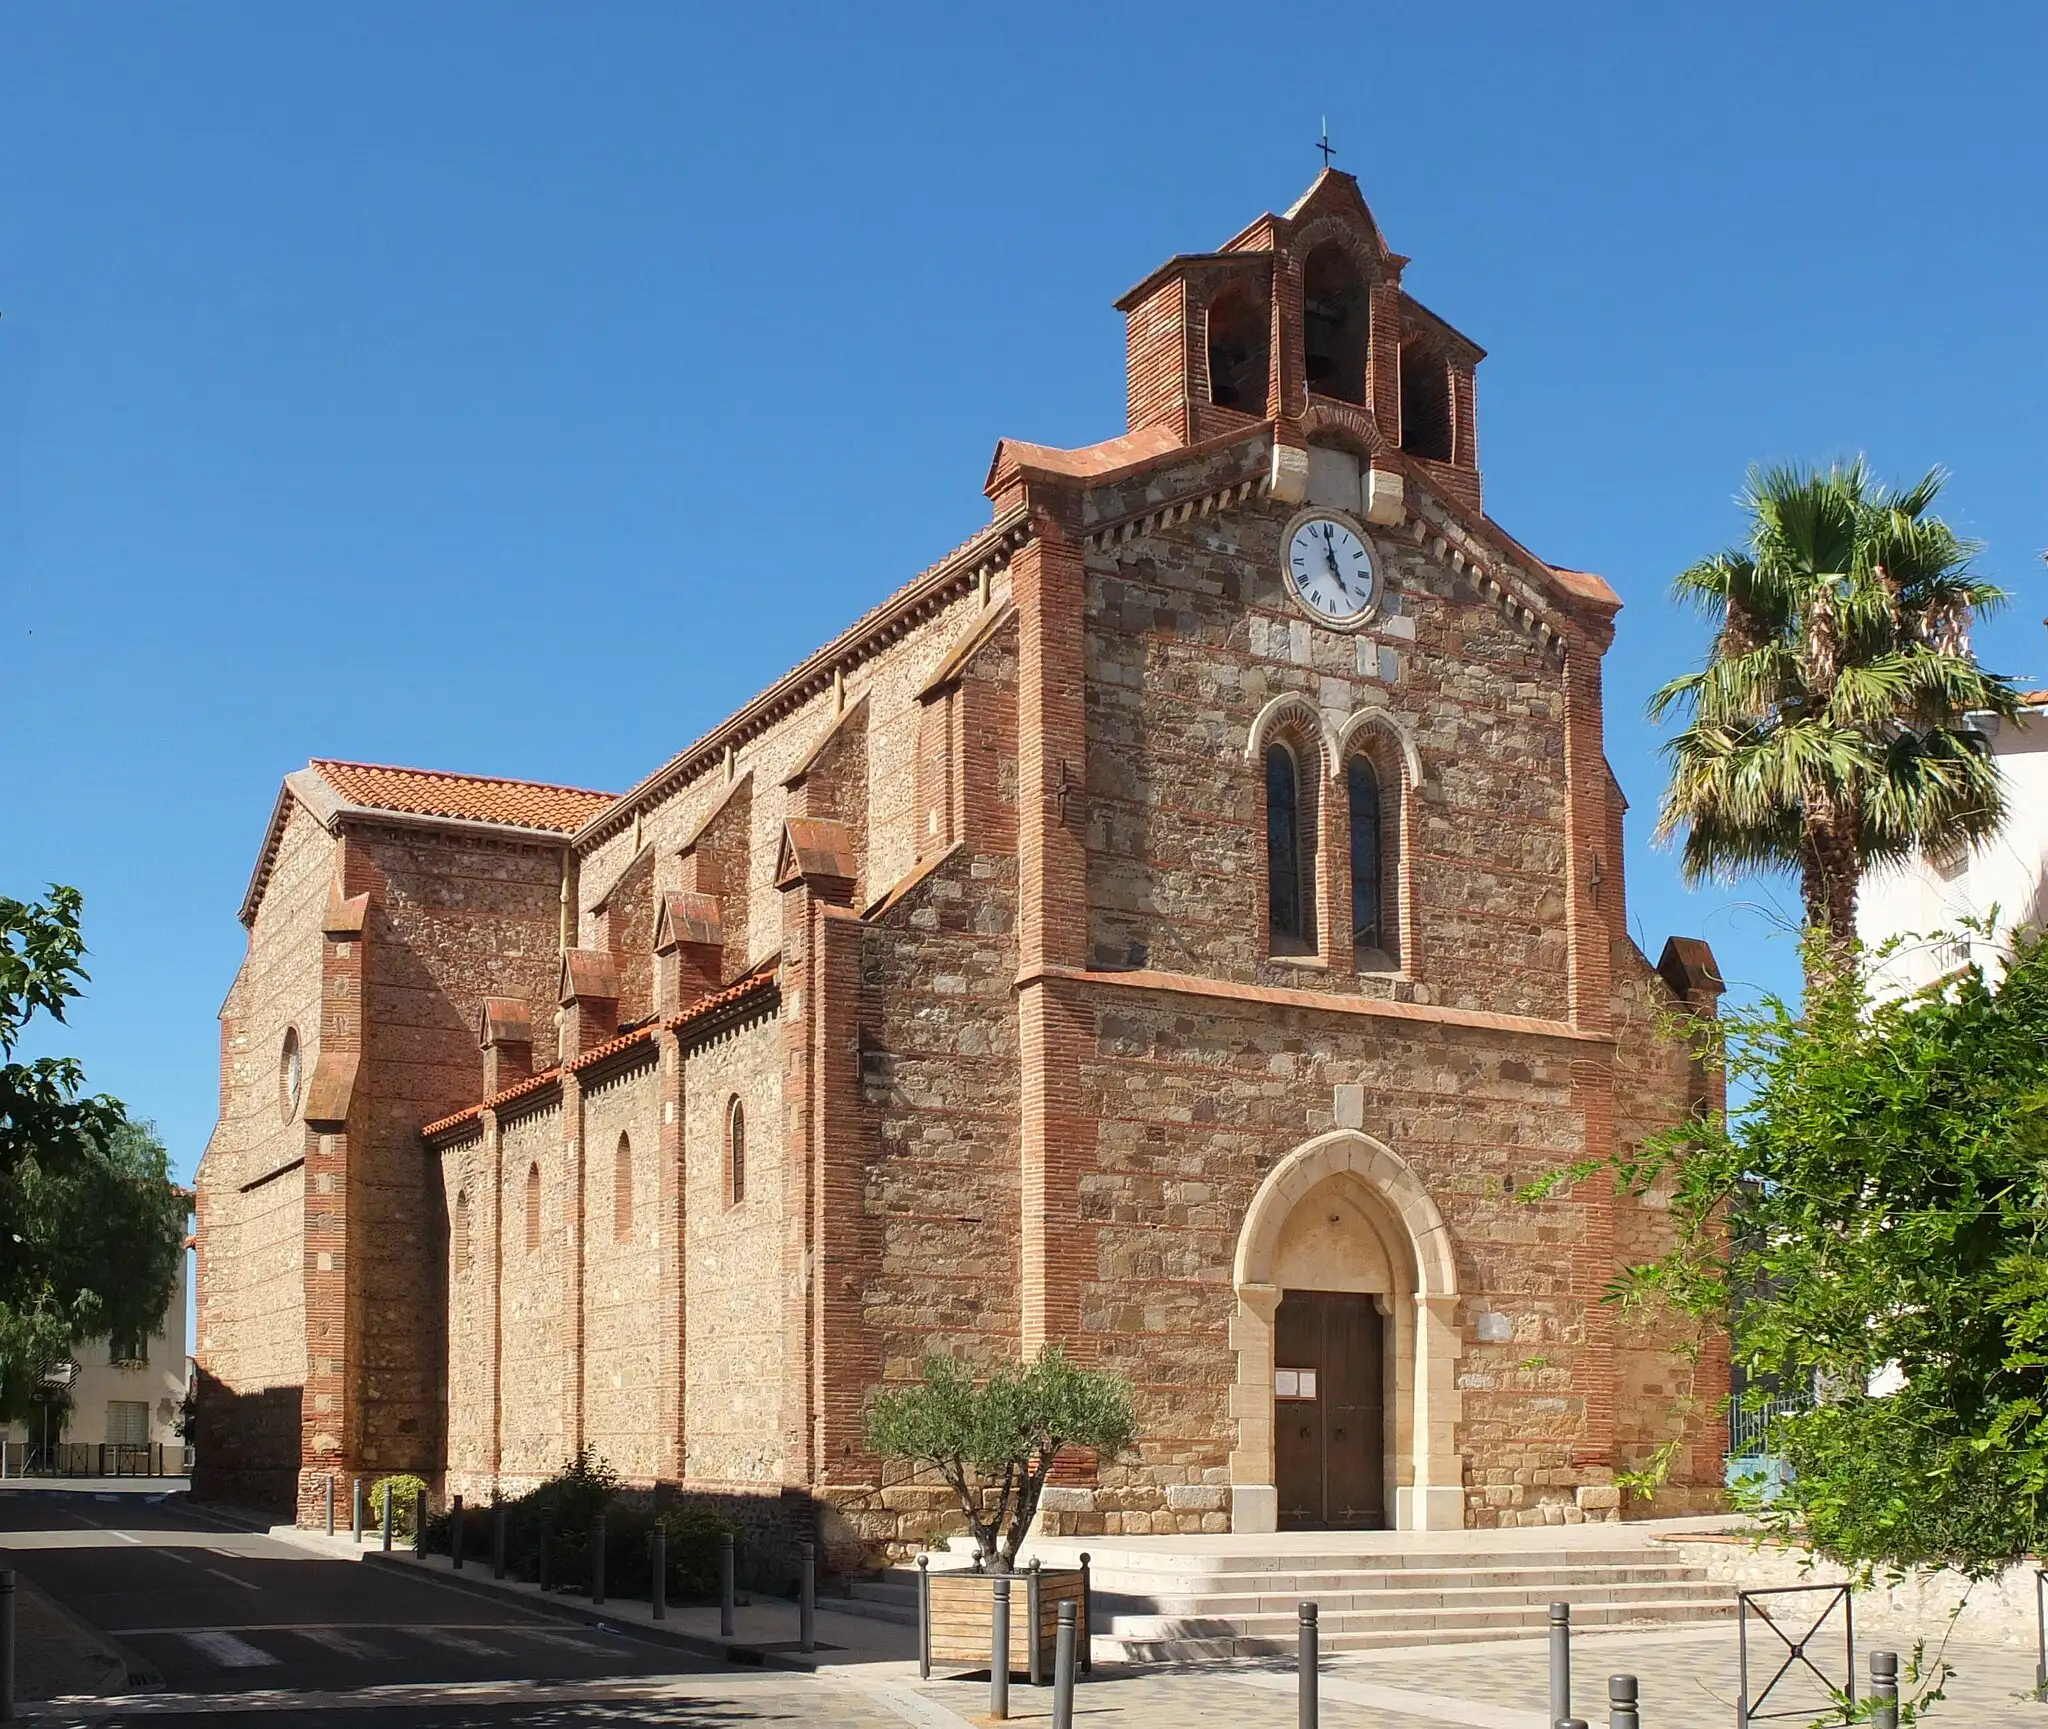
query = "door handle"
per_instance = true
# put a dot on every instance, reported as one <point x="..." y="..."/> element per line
<point x="1340" y="1434"/>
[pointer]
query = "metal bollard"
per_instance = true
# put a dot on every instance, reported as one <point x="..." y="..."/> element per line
<point x="1308" y="1642"/>
<point x="725" y="1614"/>
<point x="6" y="1644"/>
<point x="387" y="1517"/>
<point x="999" y="1650"/>
<point x="807" y="1601"/>
<point x="1087" y="1618"/>
<point x="924" y="1617"/>
<point x="327" y="1495"/>
<point x="658" y="1591"/>
<point x="455" y="1533"/>
<point x="547" y="1545"/>
<point x="597" y="1559"/>
<point x="1571" y="1723"/>
<point x="355" y="1514"/>
<point x="497" y="1536"/>
<point x="419" y="1524"/>
<point x="1884" y="1688"/>
<point x="1033" y="1610"/>
<point x="1621" y="1703"/>
<point x="1063" y="1669"/>
<point x="1560" y="1662"/>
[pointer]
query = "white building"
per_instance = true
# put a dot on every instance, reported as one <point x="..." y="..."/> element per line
<point x="128" y="1392"/>
<point x="1925" y="900"/>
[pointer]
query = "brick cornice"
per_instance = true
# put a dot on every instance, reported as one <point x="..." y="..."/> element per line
<point x="1324" y="1002"/>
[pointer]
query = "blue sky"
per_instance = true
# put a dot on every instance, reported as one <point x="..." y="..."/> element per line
<point x="517" y="389"/>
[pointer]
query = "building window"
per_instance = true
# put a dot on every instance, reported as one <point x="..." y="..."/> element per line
<point x="129" y="1350"/>
<point x="622" y="1191"/>
<point x="1290" y="852"/>
<point x="291" y="1074"/>
<point x="1336" y="324"/>
<point x="1364" y="789"/>
<point x="1425" y="403"/>
<point x="735" y="1153"/>
<point x="128" y="1422"/>
<point x="458" y="1234"/>
<point x="1239" y="348"/>
<point x="532" y="1208"/>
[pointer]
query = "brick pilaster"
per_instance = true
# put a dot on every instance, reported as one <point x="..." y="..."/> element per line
<point x="1055" y="1029"/>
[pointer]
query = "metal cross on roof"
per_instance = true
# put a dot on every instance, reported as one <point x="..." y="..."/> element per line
<point x="1326" y="147"/>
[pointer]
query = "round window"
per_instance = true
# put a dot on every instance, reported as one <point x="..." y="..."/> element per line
<point x="290" y="1074"/>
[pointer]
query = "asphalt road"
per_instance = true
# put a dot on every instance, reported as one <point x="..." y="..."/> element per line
<point x="220" y="1611"/>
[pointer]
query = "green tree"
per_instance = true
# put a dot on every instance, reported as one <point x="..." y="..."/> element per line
<point x="1878" y="1201"/>
<point x="995" y="1443"/>
<point x="91" y="1225"/>
<point x="1829" y="729"/>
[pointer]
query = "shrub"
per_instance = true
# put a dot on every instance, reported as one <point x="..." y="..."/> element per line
<point x="405" y="1491"/>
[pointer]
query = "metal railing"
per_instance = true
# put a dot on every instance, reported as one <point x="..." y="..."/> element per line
<point x="1749" y="1426"/>
<point x="94" y="1459"/>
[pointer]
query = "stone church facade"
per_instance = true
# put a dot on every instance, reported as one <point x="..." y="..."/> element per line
<point x="1174" y="925"/>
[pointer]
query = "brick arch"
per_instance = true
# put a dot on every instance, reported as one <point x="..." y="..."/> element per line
<point x="1377" y="720"/>
<point x="1429" y="1472"/>
<point x="1290" y="709"/>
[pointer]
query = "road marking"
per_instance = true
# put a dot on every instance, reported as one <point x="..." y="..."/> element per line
<point x="710" y="1689"/>
<point x="566" y="1641"/>
<point x="228" y="1651"/>
<point x="453" y="1641"/>
<point x="231" y="1579"/>
<point x="300" y="1627"/>
<point x="338" y="1642"/>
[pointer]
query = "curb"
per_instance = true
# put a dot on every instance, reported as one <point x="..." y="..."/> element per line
<point x="568" y="1609"/>
<point x="142" y="1675"/>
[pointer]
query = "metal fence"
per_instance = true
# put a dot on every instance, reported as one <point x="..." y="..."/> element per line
<point x="94" y="1459"/>
<point x="1748" y="1426"/>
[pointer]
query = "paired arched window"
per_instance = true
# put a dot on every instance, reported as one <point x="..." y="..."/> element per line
<point x="1368" y="856"/>
<point x="1290" y="850"/>
<point x="1240" y="344"/>
<point x="532" y="1208"/>
<point x="622" y="1191"/>
<point x="735" y="1153"/>
<point x="1336" y="324"/>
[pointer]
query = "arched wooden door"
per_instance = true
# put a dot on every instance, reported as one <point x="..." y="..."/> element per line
<point x="1329" y="1411"/>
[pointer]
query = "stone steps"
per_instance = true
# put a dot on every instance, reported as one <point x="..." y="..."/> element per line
<point x="1378" y="1600"/>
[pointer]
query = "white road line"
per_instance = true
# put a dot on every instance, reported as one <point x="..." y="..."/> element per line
<point x="1402" y="1702"/>
<point x="678" y="1689"/>
<point x="228" y="1651"/>
<point x="452" y="1641"/>
<point x="231" y="1579"/>
<point x="333" y="1639"/>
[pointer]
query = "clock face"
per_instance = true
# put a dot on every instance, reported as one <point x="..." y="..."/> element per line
<point x="1330" y="569"/>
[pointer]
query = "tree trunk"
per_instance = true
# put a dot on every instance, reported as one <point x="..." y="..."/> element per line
<point x="1829" y="876"/>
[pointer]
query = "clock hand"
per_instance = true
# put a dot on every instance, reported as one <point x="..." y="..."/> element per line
<point x="1330" y="557"/>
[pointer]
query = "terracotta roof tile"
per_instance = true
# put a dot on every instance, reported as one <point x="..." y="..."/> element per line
<point x="470" y="797"/>
<point x="761" y="979"/>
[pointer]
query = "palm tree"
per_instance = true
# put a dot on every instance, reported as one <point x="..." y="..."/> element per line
<point x="1830" y="729"/>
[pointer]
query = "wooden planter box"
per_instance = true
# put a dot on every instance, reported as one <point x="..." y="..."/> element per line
<point x="957" y="1625"/>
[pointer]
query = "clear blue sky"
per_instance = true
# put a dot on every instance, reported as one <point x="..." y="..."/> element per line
<point x="517" y="389"/>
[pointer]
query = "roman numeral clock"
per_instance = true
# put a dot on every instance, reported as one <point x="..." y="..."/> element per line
<point x="1330" y="569"/>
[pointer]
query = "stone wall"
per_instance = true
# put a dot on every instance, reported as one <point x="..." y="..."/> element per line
<point x="733" y="1342"/>
<point x="622" y="1274"/>
<point x="536" y="1419"/>
<point x="251" y="1346"/>
<point x="468" y="1182"/>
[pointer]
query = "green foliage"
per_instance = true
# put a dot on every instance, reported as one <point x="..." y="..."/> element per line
<point x="91" y="1225"/>
<point x="995" y="1443"/>
<point x="405" y="1492"/>
<point x="548" y="1532"/>
<point x="1879" y="1201"/>
<point x="1829" y="729"/>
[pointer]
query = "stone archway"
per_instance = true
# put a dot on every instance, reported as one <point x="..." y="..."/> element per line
<point x="1405" y="1247"/>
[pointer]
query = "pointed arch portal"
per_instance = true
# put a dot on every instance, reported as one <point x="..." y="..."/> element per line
<point x="1345" y="1213"/>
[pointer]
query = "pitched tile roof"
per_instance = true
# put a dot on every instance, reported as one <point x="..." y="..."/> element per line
<point x="762" y="981"/>
<point x="471" y="797"/>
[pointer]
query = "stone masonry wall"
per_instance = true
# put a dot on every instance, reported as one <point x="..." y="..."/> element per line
<point x="472" y="1256"/>
<point x="732" y="1386"/>
<point x="536" y="1434"/>
<point x="622" y="1274"/>
<point x="453" y="919"/>
<point x="1190" y="635"/>
<point x="251" y="1299"/>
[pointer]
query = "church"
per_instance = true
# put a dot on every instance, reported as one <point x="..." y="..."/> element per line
<point x="1176" y="925"/>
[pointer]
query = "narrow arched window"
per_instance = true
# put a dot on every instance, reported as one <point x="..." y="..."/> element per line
<point x="1240" y="345"/>
<point x="735" y="1153"/>
<point x="1336" y="324"/>
<point x="1425" y="403"/>
<point x="622" y="1191"/>
<point x="458" y="1234"/>
<point x="532" y="1208"/>
<point x="1286" y="855"/>
<point x="1368" y="898"/>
